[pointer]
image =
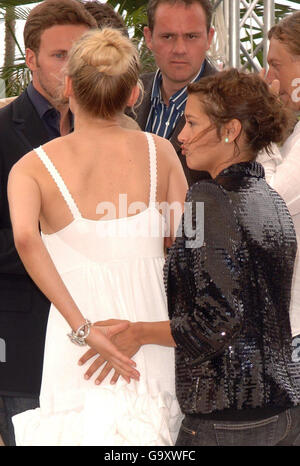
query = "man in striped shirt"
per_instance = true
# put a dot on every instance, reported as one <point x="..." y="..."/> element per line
<point x="179" y="35"/>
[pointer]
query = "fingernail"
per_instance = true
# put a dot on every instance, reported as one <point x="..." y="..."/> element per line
<point x="86" y="377"/>
<point x="97" y="382"/>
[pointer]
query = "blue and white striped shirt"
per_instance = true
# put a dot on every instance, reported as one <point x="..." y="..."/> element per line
<point x="162" y="119"/>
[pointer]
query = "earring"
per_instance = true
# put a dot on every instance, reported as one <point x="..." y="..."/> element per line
<point x="227" y="140"/>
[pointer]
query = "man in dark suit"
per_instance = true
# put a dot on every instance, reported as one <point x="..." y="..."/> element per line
<point x="34" y="118"/>
<point x="179" y="35"/>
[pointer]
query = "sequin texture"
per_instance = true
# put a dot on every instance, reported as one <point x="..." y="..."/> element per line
<point x="228" y="298"/>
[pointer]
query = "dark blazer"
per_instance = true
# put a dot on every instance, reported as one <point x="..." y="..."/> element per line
<point x="142" y="113"/>
<point x="23" y="308"/>
<point x="229" y="295"/>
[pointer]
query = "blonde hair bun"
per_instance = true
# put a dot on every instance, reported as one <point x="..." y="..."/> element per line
<point x="104" y="67"/>
<point x="107" y="50"/>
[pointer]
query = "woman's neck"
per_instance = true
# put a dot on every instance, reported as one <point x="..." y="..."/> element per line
<point x="86" y="122"/>
<point x="246" y="157"/>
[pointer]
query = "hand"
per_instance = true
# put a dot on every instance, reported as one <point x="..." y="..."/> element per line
<point x="274" y="85"/>
<point x="100" y="341"/>
<point x="126" y="341"/>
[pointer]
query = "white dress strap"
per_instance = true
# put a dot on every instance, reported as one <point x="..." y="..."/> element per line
<point x="153" y="168"/>
<point x="59" y="182"/>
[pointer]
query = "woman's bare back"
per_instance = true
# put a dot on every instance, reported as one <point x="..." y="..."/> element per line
<point x="97" y="167"/>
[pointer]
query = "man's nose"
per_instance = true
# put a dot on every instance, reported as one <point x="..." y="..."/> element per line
<point x="179" y="46"/>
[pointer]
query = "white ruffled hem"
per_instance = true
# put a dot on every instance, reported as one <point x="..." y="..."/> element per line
<point x="116" y="415"/>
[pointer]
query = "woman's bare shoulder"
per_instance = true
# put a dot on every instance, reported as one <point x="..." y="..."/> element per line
<point x="165" y="151"/>
<point x="25" y="163"/>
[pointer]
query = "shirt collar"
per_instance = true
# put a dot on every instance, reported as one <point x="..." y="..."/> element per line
<point x="180" y="97"/>
<point x="41" y="104"/>
<point x="252" y="169"/>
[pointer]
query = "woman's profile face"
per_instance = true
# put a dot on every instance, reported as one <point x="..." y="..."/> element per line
<point x="201" y="145"/>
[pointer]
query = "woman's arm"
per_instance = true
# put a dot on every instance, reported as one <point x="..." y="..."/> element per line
<point x="206" y="283"/>
<point x="25" y="205"/>
<point x="129" y="341"/>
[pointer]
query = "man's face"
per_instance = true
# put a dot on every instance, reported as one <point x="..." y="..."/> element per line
<point x="179" y="41"/>
<point x="286" y="68"/>
<point x="47" y="65"/>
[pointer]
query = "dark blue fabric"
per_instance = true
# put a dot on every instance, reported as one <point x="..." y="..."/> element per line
<point x="282" y="429"/>
<point x="9" y="407"/>
<point x="47" y="113"/>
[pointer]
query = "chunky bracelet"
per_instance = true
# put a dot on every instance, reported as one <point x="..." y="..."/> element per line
<point x="79" y="337"/>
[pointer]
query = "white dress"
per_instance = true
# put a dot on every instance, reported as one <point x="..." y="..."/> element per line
<point x="112" y="269"/>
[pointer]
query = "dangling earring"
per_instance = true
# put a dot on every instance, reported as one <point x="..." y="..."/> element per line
<point x="227" y="140"/>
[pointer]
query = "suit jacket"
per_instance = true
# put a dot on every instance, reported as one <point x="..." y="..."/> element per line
<point x="142" y="113"/>
<point x="23" y="308"/>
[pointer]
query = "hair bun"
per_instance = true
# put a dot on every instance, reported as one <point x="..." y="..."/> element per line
<point x="104" y="67"/>
<point x="108" y="51"/>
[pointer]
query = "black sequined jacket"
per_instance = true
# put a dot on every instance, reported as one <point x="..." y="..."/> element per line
<point x="228" y="298"/>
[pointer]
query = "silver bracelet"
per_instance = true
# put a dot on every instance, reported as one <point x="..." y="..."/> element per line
<point x="79" y="337"/>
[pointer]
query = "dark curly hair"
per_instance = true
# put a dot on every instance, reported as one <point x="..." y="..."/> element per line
<point x="232" y="94"/>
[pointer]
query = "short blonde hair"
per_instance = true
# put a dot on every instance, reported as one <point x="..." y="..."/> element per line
<point x="104" y="68"/>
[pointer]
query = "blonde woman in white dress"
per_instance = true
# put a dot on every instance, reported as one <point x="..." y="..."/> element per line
<point x="98" y="259"/>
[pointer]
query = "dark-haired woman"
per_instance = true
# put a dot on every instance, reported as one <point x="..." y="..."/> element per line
<point x="229" y="277"/>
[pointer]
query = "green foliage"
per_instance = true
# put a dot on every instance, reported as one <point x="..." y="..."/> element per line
<point x="135" y="17"/>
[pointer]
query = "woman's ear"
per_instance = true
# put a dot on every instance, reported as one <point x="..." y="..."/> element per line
<point x="232" y="130"/>
<point x="68" y="89"/>
<point x="133" y="96"/>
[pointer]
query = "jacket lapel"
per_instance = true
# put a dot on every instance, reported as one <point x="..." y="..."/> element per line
<point x="144" y="109"/>
<point x="27" y="123"/>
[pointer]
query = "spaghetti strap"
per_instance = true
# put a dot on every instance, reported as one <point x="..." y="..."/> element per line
<point x="59" y="182"/>
<point x="153" y="168"/>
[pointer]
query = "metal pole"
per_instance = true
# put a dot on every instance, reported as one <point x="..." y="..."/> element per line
<point x="269" y="20"/>
<point x="234" y="33"/>
<point x="226" y="18"/>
